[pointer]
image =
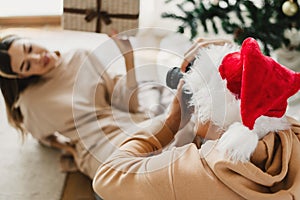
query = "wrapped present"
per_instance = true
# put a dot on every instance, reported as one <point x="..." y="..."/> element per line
<point x="105" y="16"/>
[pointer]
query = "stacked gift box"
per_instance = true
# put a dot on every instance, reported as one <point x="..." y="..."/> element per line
<point x="105" y="16"/>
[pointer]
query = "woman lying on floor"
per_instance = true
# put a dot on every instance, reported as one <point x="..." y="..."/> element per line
<point x="65" y="101"/>
<point x="249" y="149"/>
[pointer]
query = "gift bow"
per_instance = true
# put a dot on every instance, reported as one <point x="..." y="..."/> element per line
<point x="91" y="14"/>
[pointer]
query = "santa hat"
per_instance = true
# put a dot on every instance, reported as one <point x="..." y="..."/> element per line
<point x="254" y="99"/>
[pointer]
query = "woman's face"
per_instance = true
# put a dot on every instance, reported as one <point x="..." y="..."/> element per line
<point x="29" y="59"/>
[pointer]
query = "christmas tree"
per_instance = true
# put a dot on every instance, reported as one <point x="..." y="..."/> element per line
<point x="274" y="23"/>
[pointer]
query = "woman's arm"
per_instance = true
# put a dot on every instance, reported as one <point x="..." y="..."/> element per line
<point x="131" y="85"/>
<point x="122" y="89"/>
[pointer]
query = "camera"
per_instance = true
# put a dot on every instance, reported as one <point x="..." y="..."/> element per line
<point x="172" y="80"/>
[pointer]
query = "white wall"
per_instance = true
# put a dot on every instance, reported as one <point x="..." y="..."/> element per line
<point x="30" y="7"/>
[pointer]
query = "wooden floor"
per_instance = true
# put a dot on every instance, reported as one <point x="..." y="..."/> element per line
<point x="78" y="187"/>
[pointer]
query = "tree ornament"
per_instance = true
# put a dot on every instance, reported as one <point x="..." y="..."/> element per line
<point x="214" y="2"/>
<point x="289" y="8"/>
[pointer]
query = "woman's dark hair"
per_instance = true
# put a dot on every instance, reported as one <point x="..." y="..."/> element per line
<point x="11" y="88"/>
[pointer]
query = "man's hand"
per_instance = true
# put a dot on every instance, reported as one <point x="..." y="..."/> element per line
<point x="179" y="115"/>
<point x="200" y="43"/>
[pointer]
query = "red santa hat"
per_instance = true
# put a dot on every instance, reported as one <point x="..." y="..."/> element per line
<point x="254" y="98"/>
<point x="262" y="84"/>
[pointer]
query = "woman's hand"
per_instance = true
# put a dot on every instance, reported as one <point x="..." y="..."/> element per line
<point x="179" y="114"/>
<point x="60" y="142"/>
<point x="200" y="43"/>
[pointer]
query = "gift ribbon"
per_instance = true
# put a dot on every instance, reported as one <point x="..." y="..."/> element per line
<point x="91" y="14"/>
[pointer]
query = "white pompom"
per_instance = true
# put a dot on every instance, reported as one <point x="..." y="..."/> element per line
<point x="238" y="142"/>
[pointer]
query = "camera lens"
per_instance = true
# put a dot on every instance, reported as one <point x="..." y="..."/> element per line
<point x="173" y="77"/>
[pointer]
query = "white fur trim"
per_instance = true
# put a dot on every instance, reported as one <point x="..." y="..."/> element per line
<point x="238" y="143"/>
<point x="211" y="98"/>
<point x="263" y="125"/>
